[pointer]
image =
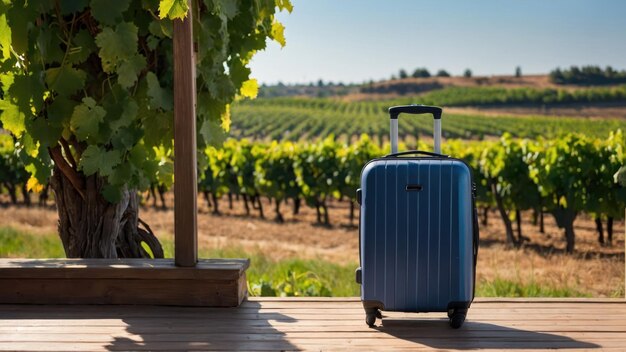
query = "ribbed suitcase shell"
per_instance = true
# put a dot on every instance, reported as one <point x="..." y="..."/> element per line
<point x="416" y="246"/>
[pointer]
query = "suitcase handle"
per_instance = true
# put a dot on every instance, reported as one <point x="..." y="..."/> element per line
<point x="410" y="152"/>
<point x="395" y="111"/>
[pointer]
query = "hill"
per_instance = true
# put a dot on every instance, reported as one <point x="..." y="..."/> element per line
<point x="525" y="95"/>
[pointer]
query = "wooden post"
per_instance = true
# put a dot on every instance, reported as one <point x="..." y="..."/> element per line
<point x="185" y="178"/>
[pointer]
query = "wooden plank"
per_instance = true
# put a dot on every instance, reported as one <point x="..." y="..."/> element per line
<point x="120" y="291"/>
<point x="185" y="173"/>
<point x="206" y="269"/>
<point x="214" y="282"/>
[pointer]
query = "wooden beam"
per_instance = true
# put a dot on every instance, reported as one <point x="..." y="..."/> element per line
<point x="211" y="283"/>
<point x="185" y="177"/>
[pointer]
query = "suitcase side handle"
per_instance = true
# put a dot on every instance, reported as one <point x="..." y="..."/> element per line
<point x="395" y="111"/>
<point x="419" y="152"/>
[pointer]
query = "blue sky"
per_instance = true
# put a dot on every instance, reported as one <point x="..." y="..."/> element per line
<point x="359" y="40"/>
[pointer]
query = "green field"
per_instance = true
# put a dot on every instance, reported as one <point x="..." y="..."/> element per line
<point x="302" y="118"/>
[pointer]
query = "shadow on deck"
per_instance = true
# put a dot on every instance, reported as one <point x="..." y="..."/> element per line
<point x="476" y="335"/>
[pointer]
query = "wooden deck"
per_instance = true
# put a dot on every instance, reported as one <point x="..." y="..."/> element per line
<point x="314" y="324"/>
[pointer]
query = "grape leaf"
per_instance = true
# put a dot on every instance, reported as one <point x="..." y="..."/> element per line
<point x="278" y="33"/>
<point x="33" y="185"/>
<point x="249" y="88"/>
<point x="112" y="193"/>
<point x="12" y="118"/>
<point x="158" y="128"/>
<point x="5" y="37"/>
<point x="229" y="8"/>
<point x="106" y="12"/>
<point x="153" y="42"/>
<point x="155" y="29"/>
<point x="84" y="46"/>
<point x="128" y="115"/>
<point x="21" y="93"/>
<point x="40" y="168"/>
<point x="19" y="17"/>
<point x="238" y="71"/>
<point x="159" y="98"/>
<point x="173" y="9"/>
<point x="116" y="45"/>
<point x="48" y="43"/>
<point x="65" y="80"/>
<point x="6" y="80"/>
<point x="225" y="119"/>
<point x="45" y="131"/>
<point x="165" y="173"/>
<point x="126" y="138"/>
<point x="30" y="146"/>
<point x="212" y="132"/>
<point x="60" y="112"/>
<point x="96" y="159"/>
<point x="86" y="119"/>
<point x="129" y="69"/>
<point x="284" y="5"/>
<point x="121" y="174"/>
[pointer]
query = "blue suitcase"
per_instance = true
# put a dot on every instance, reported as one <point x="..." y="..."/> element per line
<point x="418" y="230"/>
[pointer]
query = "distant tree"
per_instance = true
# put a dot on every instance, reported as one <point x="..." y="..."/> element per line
<point x="556" y="76"/>
<point x="518" y="71"/>
<point x="588" y="75"/>
<point x="467" y="73"/>
<point x="421" y="72"/>
<point x="320" y="83"/>
<point x="610" y="73"/>
<point x="402" y="74"/>
<point x="393" y="77"/>
<point x="443" y="73"/>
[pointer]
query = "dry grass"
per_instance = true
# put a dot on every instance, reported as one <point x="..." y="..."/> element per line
<point x="593" y="269"/>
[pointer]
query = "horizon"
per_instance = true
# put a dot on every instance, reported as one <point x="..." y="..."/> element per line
<point x="474" y="76"/>
<point x="488" y="37"/>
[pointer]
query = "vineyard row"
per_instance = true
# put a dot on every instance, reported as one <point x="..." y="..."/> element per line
<point x="563" y="176"/>
<point x="307" y="119"/>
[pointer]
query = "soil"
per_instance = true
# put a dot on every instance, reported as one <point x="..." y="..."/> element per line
<point x="593" y="269"/>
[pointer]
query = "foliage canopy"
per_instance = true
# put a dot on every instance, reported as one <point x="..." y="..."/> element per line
<point x="89" y="83"/>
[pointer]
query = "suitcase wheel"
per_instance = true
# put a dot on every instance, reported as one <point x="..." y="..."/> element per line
<point x="457" y="317"/>
<point x="370" y="316"/>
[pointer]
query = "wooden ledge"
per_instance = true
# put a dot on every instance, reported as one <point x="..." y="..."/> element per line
<point x="212" y="283"/>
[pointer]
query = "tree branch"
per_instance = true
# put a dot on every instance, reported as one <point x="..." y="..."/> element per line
<point x="68" y="153"/>
<point x="72" y="175"/>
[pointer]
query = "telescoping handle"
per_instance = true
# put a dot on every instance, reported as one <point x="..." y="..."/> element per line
<point x="395" y="111"/>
